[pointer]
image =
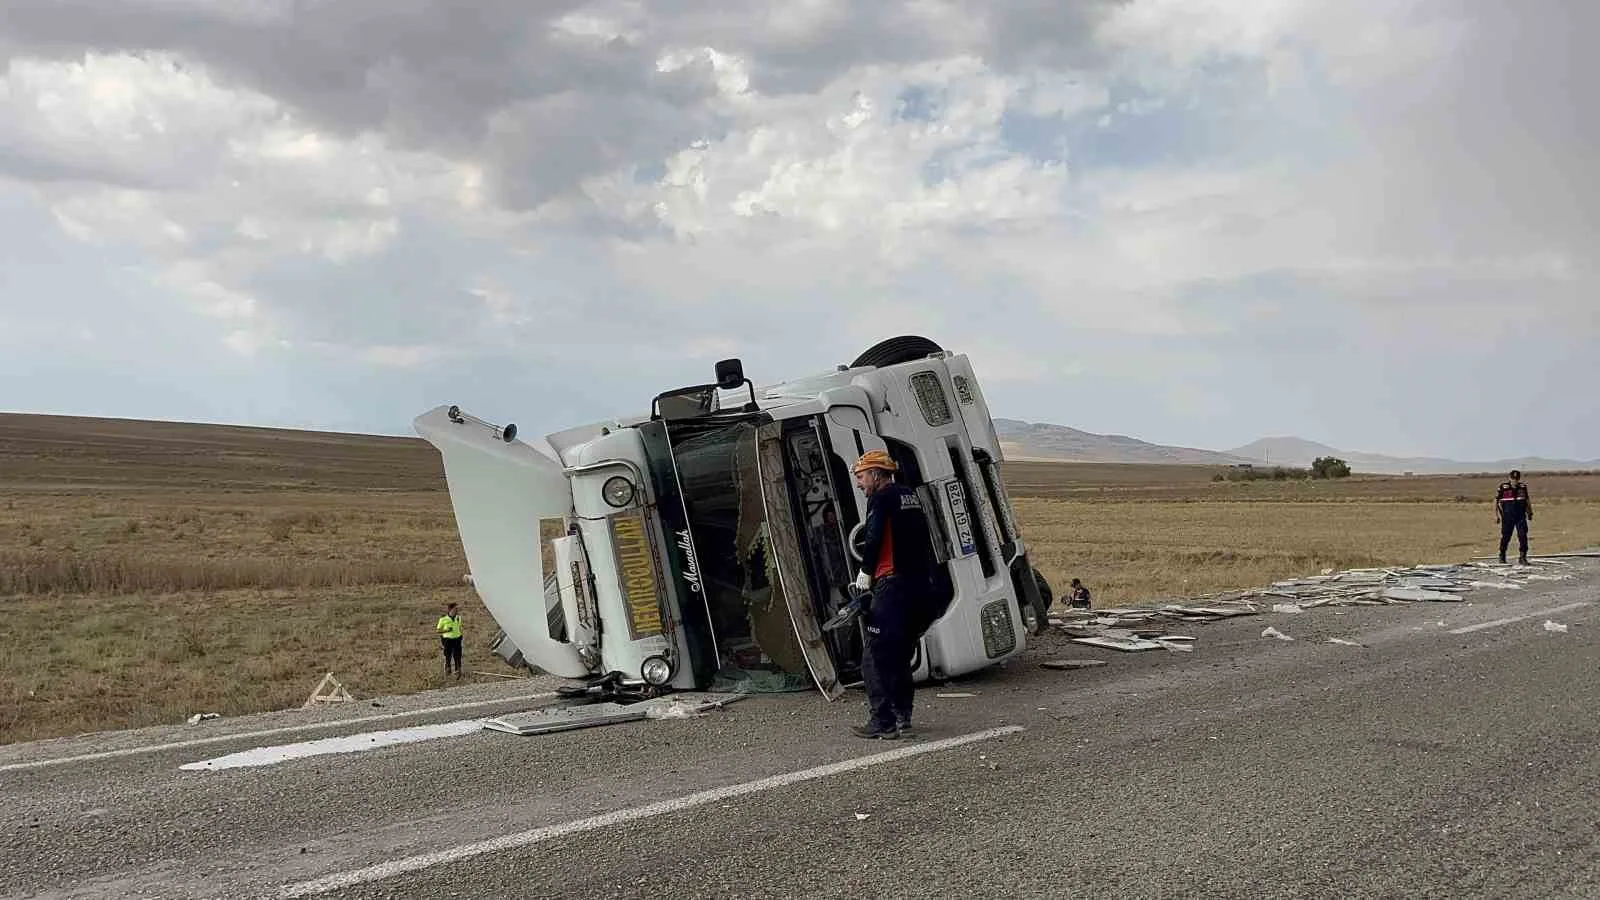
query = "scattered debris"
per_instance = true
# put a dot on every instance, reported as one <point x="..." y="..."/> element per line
<point x="1355" y="587"/>
<point x="567" y="717"/>
<point x="1072" y="663"/>
<point x="862" y="817"/>
<point x="1136" y="629"/>
<point x="952" y="695"/>
<point x="683" y="708"/>
<point x="1554" y="626"/>
<point x="1387" y="586"/>
<point x="197" y="718"/>
<point x="1422" y="594"/>
<point x="1126" y="622"/>
<point x="1125" y="641"/>
<point x="1344" y="643"/>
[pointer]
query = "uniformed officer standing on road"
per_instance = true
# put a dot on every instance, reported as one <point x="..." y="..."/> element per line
<point x="898" y="566"/>
<point x="1513" y="509"/>
<point x="449" y="628"/>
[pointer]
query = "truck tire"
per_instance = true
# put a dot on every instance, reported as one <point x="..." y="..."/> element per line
<point x="896" y="350"/>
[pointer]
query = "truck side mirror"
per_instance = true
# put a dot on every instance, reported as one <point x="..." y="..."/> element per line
<point x="730" y="374"/>
<point x="730" y="377"/>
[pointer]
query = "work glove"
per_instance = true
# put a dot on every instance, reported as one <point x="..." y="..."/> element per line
<point x="863" y="580"/>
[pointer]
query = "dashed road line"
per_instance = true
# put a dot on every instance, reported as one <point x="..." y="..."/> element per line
<point x="662" y="807"/>
<point x="1468" y="629"/>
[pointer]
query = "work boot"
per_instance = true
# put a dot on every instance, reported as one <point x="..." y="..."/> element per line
<point x="1522" y="560"/>
<point x="873" y="732"/>
<point x="1502" y="559"/>
<point x="905" y="728"/>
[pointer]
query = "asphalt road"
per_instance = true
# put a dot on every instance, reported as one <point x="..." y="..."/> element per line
<point x="1429" y="762"/>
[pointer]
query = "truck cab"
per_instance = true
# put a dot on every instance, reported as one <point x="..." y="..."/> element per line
<point x="701" y="546"/>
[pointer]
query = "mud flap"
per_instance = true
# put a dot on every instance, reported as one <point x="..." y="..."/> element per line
<point x="792" y="581"/>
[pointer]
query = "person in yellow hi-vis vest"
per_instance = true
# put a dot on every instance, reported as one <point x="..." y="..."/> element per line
<point x="449" y="628"/>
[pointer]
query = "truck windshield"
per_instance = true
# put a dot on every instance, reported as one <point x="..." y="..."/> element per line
<point x="727" y="564"/>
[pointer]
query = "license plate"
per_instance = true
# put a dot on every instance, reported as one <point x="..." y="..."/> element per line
<point x="958" y="509"/>
<point x="636" y="570"/>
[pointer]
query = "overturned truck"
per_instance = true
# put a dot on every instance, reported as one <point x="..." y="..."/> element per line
<point x="701" y="546"/>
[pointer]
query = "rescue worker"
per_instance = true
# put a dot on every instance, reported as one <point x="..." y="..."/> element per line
<point x="449" y="628"/>
<point x="1513" y="510"/>
<point x="898" y="567"/>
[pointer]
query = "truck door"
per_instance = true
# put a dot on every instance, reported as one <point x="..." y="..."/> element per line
<point x="786" y="551"/>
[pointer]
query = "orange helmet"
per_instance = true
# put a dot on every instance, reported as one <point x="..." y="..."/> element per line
<point x="875" y="459"/>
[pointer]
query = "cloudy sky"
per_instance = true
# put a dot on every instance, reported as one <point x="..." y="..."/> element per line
<point x="1366" y="222"/>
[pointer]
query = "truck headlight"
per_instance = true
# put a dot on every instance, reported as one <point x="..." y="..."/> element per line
<point x="617" y="491"/>
<point x="656" y="670"/>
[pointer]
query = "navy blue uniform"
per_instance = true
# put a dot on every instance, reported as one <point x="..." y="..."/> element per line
<point x="908" y="595"/>
<point x="1511" y="499"/>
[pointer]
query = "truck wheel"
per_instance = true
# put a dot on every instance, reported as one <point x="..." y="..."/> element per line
<point x="896" y="350"/>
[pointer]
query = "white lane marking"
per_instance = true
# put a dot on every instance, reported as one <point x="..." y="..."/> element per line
<point x="662" y="807"/>
<point x="249" y="735"/>
<point x="1465" y="629"/>
<point x="349" y="743"/>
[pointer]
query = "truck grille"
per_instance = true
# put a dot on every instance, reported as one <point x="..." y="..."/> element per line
<point x="999" y="636"/>
<point x="931" y="399"/>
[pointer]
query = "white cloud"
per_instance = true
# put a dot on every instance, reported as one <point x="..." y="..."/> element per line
<point x="440" y="195"/>
<point x="401" y="357"/>
<point x="213" y="182"/>
<point x="142" y="121"/>
<point x="849" y="161"/>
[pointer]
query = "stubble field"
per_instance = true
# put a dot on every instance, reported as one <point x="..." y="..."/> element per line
<point x="149" y="571"/>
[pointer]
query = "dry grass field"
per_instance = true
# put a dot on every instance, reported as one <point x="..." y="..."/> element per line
<point x="1139" y="534"/>
<point x="150" y="570"/>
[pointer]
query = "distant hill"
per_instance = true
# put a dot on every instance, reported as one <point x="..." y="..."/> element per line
<point x="1294" y="451"/>
<point x="1037" y="440"/>
<point x="79" y="452"/>
<point x="44" y="450"/>
<point x="1028" y="440"/>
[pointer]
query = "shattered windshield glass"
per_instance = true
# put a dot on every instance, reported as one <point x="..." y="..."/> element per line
<point x="731" y="568"/>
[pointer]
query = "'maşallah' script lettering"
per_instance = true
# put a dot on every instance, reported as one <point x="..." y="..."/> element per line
<point x="691" y="571"/>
